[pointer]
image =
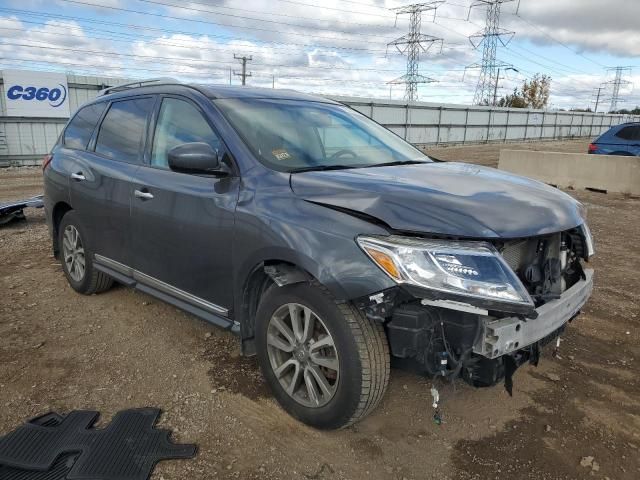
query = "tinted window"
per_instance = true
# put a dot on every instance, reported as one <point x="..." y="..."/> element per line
<point x="629" y="133"/>
<point x="290" y="135"/>
<point x="179" y="122"/>
<point x="121" y="134"/>
<point x="79" y="131"/>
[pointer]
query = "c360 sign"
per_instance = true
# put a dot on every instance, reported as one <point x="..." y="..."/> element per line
<point x="35" y="94"/>
<point x="55" y="96"/>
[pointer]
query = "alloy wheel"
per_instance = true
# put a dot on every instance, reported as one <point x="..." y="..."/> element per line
<point x="73" y="253"/>
<point x="303" y="355"/>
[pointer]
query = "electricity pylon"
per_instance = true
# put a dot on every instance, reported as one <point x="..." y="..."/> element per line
<point x="413" y="43"/>
<point x="616" y="83"/>
<point x="489" y="38"/>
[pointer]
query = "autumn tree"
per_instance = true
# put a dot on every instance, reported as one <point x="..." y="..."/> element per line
<point x="534" y="93"/>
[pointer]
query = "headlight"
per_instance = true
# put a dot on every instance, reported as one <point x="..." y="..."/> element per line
<point x="469" y="269"/>
<point x="588" y="239"/>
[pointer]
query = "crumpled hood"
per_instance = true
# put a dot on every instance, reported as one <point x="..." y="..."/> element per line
<point x="454" y="199"/>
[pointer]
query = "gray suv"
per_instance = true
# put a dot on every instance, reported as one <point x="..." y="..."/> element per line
<point x="328" y="244"/>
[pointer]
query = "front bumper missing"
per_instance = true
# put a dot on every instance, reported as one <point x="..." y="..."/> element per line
<point x="506" y="335"/>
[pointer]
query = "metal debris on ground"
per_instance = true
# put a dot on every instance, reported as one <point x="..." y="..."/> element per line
<point x="14" y="210"/>
<point x="437" y="416"/>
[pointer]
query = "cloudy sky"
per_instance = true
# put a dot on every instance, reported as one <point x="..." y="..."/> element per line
<point x="331" y="46"/>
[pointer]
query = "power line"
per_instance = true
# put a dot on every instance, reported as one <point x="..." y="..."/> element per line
<point x="319" y="5"/>
<point x="299" y="17"/>
<point x="190" y="60"/>
<point x="165" y="30"/>
<point x="208" y="22"/>
<point x="189" y="63"/>
<point x="531" y="24"/>
<point x="412" y="43"/>
<point x="488" y="39"/>
<point x="162" y="41"/>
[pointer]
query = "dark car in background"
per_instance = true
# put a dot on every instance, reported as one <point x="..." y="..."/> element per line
<point x="623" y="139"/>
<point x="325" y="241"/>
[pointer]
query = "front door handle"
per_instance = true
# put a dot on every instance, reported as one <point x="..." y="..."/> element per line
<point x="78" y="176"/>
<point x="143" y="195"/>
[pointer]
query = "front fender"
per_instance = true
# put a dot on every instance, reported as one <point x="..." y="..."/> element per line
<point x="317" y="239"/>
<point x="275" y="225"/>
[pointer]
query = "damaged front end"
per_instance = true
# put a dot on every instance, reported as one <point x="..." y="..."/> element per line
<point x="478" y="310"/>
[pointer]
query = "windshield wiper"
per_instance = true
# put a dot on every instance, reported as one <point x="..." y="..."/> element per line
<point x="397" y="162"/>
<point x="321" y="168"/>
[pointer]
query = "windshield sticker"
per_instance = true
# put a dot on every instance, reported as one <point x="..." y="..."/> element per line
<point x="281" y="154"/>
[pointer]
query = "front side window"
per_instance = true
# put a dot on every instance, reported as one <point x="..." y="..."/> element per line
<point x="79" y="131"/>
<point x="291" y="135"/>
<point x="121" y="135"/>
<point x="179" y="122"/>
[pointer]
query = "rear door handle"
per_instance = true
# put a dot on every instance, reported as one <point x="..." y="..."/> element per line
<point x="78" y="176"/>
<point x="143" y="195"/>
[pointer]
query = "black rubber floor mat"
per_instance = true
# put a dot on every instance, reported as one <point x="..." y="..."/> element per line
<point x="58" y="471"/>
<point x="60" y="468"/>
<point x="127" y="449"/>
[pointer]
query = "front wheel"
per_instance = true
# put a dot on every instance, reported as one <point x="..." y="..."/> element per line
<point x="325" y="362"/>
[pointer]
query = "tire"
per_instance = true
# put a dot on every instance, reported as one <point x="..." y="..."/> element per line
<point x="353" y="353"/>
<point x="90" y="280"/>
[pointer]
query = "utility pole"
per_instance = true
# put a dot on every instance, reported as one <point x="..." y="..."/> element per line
<point x="488" y="38"/>
<point x="617" y="82"/>
<point x="599" y="91"/>
<point x="495" y="89"/>
<point x="413" y="43"/>
<point x="244" y="73"/>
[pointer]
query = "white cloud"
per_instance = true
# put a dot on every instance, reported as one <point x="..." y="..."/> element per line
<point x="339" y="48"/>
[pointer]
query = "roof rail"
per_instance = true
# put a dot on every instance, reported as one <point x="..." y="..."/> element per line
<point x="139" y="83"/>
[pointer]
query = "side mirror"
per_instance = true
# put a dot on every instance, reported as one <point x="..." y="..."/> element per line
<point x="196" y="157"/>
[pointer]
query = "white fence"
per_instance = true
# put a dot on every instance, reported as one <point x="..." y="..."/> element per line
<point x="434" y="123"/>
<point x="24" y="141"/>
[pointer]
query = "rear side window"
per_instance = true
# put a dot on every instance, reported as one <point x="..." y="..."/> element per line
<point x="121" y="135"/>
<point x="79" y="131"/>
<point x="629" y="133"/>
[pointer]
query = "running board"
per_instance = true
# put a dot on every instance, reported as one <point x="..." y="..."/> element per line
<point x="199" y="307"/>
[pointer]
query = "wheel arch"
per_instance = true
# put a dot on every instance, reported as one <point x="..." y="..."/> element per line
<point x="274" y="270"/>
<point x="59" y="211"/>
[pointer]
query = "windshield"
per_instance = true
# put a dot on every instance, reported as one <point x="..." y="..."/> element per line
<point x="291" y="135"/>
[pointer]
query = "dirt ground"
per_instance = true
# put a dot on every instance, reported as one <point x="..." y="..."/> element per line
<point x="575" y="416"/>
<point x="488" y="154"/>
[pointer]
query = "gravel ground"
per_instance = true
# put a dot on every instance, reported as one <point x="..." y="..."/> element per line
<point x="574" y="416"/>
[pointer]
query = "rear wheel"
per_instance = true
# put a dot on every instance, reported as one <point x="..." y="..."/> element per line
<point x="77" y="258"/>
<point x="326" y="364"/>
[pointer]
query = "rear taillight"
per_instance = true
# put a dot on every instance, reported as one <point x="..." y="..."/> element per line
<point x="46" y="161"/>
<point x="592" y="147"/>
